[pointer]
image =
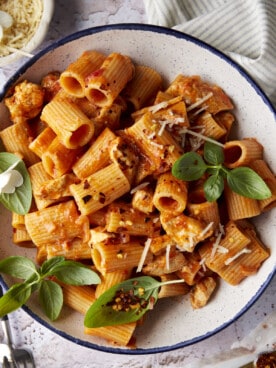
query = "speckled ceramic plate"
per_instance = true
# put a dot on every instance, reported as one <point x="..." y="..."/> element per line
<point x="173" y="323"/>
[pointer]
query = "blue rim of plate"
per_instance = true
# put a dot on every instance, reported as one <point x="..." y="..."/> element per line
<point x="254" y="85"/>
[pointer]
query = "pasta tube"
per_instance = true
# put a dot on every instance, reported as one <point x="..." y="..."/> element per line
<point x="58" y="224"/>
<point x="73" y="79"/>
<point x="96" y="157"/>
<point x="57" y="159"/>
<point x="73" y="128"/>
<point x="100" y="189"/>
<point x="16" y="139"/>
<point x="242" y="152"/>
<point x="127" y="256"/>
<point x="144" y="85"/>
<point x="261" y="168"/>
<point x="104" y="85"/>
<point x="240" y="207"/>
<point x="170" y="194"/>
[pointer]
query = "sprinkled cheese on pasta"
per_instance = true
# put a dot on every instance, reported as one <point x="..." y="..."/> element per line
<point x="26" y="15"/>
<point x="168" y="250"/>
<point x="199" y="102"/>
<point x="144" y="255"/>
<point x="231" y="259"/>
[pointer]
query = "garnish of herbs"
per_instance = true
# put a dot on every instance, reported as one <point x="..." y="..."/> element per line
<point x="125" y="302"/>
<point x="42" y="279"/>
<point x="242" y="180"/>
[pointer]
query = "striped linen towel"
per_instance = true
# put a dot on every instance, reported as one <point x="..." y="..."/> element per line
<point x="245" y="30"/>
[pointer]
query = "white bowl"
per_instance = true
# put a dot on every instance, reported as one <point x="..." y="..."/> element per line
<point x="38" y="37"/>
<point x="173" y="323"/>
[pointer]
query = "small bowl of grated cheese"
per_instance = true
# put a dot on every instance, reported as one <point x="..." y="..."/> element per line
<point x="23" y="26"/>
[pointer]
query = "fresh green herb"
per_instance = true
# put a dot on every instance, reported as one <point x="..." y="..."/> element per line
<point x="125" y="302"/>
<point x="38" y="278"/>
<point x="242" y="180"/>
<point x="20" y="200"/>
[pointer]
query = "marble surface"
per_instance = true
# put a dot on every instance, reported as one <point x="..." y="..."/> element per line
<point x="51" y="350"/>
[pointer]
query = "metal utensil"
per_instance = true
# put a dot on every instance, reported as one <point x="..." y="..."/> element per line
<point x="14" y="357"/>
<point x="6" y="363"/>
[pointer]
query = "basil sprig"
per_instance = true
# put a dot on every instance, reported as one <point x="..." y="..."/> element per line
<point x="19" y="201"/>
<point x="242" y="180"/>
<point x="39" y="278"/>
<point x="125" y="302"/>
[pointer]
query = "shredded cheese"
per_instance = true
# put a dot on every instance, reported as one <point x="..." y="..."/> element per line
<point x="26" y="15"/>
<point x="199" y="102"/>
<point x="164" y="104"/>
<point x="231" y="259"/>
<point x="215" y="246"/>
<point x="157" y="145"/>
<point x="144" y="255"/>
<point x="140" y="186"/>
<point x="189" y="131"/>
<point x="168" y="250"/>
<point x="206" y="229"/>
<point x="202" y="264"/>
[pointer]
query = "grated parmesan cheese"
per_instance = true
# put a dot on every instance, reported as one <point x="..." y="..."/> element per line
<point x="201" y="136"/>
<point x="215" y="246"/>
<point x="26" y="15"/>
<point x="157" y="144"/>
<point x="199" y="102"/>
<point x="168" y="250"/>
<point x="144" y="255"/>
<point x="140" y="186"/>
<point x="231" y="259"/>
<point x="202" y="264"/>
<point x="206" y="229"/>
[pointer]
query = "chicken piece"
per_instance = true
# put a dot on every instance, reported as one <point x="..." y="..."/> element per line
<point x="202" y="292"/>
<point x="51" y="85"/>
<point x="196" y="91"/>
<point x="25" y="102"/>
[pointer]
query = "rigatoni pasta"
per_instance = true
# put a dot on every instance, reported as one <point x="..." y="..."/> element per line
<point x="103" y="188"/>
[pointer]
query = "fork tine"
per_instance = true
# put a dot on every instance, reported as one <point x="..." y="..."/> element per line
<point x="6" y="363"/>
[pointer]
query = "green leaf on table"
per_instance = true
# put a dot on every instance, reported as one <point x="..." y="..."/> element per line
<point x="247" y="183"/>
<point x="51" y="298"/>
<point x="17" y="266"/>
<point x="75" y="273"/>
<point x="19" y="201"/>
<point x="189" y="166"/>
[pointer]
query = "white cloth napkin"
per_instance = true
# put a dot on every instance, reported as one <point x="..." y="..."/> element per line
<point x="245" y="30"/>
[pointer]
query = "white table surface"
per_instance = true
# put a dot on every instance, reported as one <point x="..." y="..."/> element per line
<point x="51" y="350"/>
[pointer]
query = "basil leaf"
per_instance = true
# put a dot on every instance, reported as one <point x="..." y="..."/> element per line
<point x="213" y="187"/>
<point x="75" y="273"/>
<point x="189" y="166"/>
<point x="134" y="297"/>
<point x="247" y="183"/>
<point x="49" y="264"/>
<point x="14" y="298"/>
<point x="51" y="298"/>
<point x="17" y="266"/>
<point x="213" y="153"/>
<point x="19" y="201"/>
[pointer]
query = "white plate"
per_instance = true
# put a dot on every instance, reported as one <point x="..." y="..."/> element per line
<point x="173" y="323"/>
